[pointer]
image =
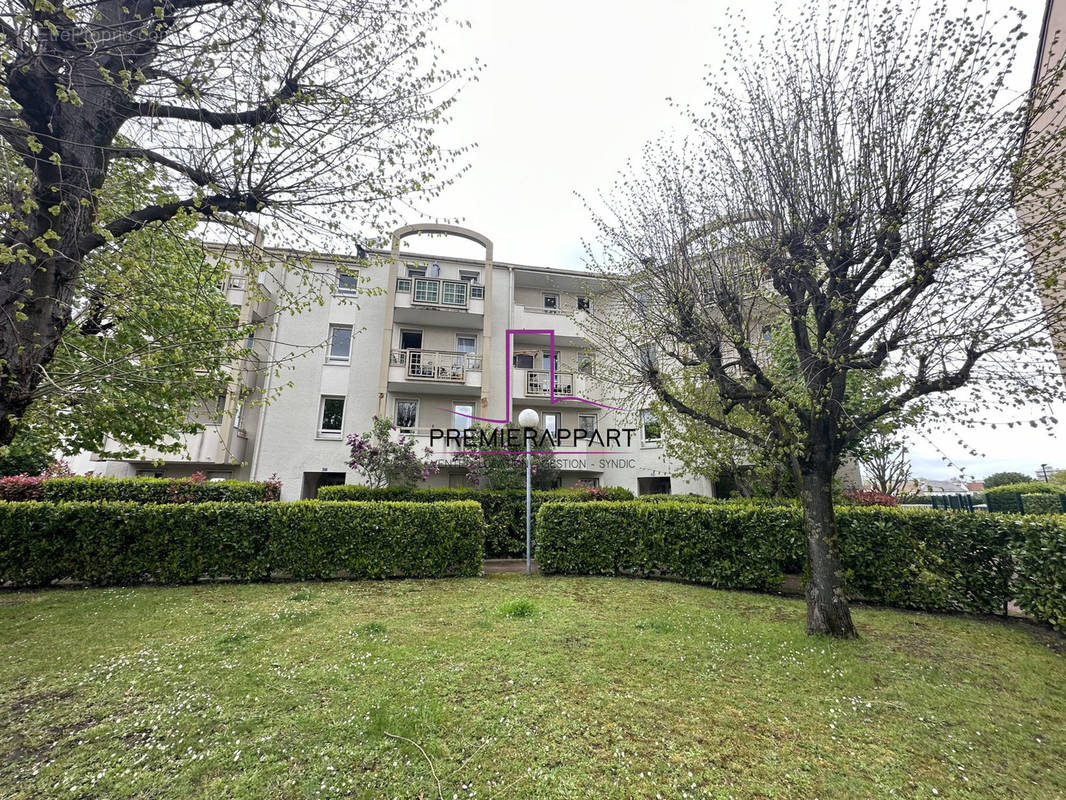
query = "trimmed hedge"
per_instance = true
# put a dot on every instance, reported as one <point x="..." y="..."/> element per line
<point x="724" y="545"/>
<point x="1040" y="560"/>
<point x="913" y="559"/>
<point x="505" y="511"/>
<point x="114" y="543"/>
<point x="135" y="490"/>
<point x="1009" y="497"/>
<point x="1043" y="503"/>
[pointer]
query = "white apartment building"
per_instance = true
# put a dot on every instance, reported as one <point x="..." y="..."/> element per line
<point x="429" y="341"/>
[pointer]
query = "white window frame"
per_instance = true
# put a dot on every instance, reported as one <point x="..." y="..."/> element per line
<point x="470" y="276"/>
<point x="419" y="331"/>
<point x="532" y="363"/>
<point x="462" y="423"/>
<point x="415" y="271"/>
<point x="330" y="433"/>
<point x="425" y="299"/>
<point x="454" y="286"/>
<point x="544" y="301"/>
<point x="595" y="421"/>
<point x="644" y="413"/>
<point x="558" y="422"/>
<point x="352" y="274"/>
<point x="335" y="359"/>
<point x="589" y="366"/>
<point x="396" y="415"/>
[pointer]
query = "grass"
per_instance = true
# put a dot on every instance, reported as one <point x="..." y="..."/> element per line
<point x="511" y="687"/>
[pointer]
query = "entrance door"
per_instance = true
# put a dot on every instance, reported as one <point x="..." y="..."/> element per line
<point x="313" y="481"/>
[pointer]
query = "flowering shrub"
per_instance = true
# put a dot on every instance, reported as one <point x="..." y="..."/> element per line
<point x="387" y="462"/>
<point x="57" y="469"/>
<point x="21" y="487"/>
<point x="273" y="488"/>
<point x="869" y="497"/>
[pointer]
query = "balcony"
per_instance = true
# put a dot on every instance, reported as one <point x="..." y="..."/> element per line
<point x="439" y="301"/>
<point x="532" y="384"/>
<point x="205" y="447"/>
<point x="439" y="371"/>
<point x="566" y="322"/>
<point x="538" y="383"/>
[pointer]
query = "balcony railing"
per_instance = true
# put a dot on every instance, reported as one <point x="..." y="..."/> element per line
<point x="538" y="383"/>
<point x="436" y="365"/>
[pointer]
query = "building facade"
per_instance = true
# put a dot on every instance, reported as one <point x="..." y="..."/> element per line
<point x="1049" y="79"/>
<point x="432" y="342"/>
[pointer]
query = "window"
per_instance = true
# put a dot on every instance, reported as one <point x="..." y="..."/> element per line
<point x="477" y="292"/>
<point x="416" y="272"/>
<point x="347" y="281"/>
<point x="584" y="304"/>
<point x="587" y="423"/>
<point x="406" y="414"/>
<point x="585" y="364"/>
<point x="219" y="476"/>
<point x="767" y="333"/>
<point x="551" y="302"/>
<point x="426" y="291"/>
<point x="454" y="294"/>
<point x="237" y="281"/>
<point x="552" y="423"/>
<point x="151" y="473"/>
<point x="652" y="429"/>
<point x="524" y="360"/>
<point x="469" y="277"/>
<point x="462" y="416"/>
<point x="546" y="360"/>
<point x="340" y="342"/>
<point x="410" y="340"/>
<point x="220" y="405"/>
<point x="403" y="285"/>
<point x="465" y="344"/>
<point x="238" y="415"/>
<point x="648" y="357"/>
<point x="249" y="342"/>
<point x="332" y="419"/>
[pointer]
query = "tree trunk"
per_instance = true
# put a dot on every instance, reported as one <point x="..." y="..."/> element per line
<point x="827" y="605"/>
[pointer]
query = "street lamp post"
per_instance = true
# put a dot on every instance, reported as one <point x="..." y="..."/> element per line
<point x="529" y="419"/>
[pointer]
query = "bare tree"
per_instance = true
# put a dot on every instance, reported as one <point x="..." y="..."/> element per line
<point x="847" y="198"/>
<point x="884" y="459"/>
<point x="313" y="115"/>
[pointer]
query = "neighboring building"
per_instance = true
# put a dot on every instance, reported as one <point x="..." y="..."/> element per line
<point x="930" y="486"/>
<point x="975" y="486"/>
<point x="429" y="351"/>
<point x="1047" y="258"/>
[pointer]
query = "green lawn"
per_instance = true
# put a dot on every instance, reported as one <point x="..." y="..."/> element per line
<point x="514" y="688"/>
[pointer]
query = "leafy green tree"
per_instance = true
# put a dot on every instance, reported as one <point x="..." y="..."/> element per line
<point x="150" y="339"/>
<point x="26" y="455"/>
<point x="310" y="116"/>
<point x="861" y="187"/>
<point x="1006" y="478"/>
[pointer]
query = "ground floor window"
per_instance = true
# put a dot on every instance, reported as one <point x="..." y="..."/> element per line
<point x="656" y="485"/>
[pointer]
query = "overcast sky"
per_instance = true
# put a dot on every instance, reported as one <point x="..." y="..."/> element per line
<point x="569" y="92"/>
